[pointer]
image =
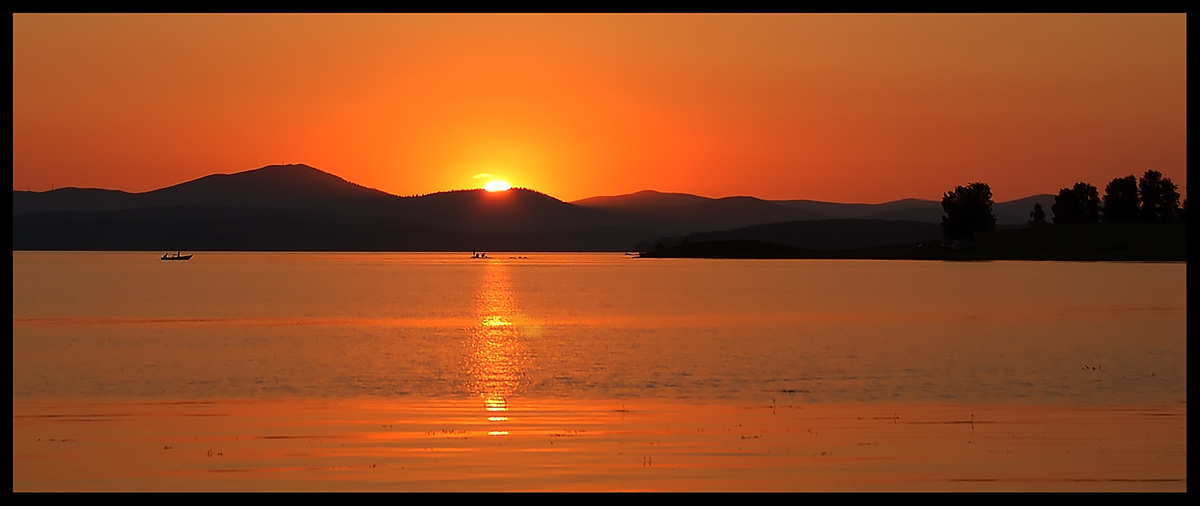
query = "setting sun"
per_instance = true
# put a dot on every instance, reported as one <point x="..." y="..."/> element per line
<point x="496" y="186"/>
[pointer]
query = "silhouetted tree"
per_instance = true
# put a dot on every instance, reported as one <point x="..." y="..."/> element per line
<point x="1159" y="196"/>
<point x="1037" y="217"/>
<point x="1183" y="211"/>
<point x="1078" y="204"/>
<point x="1121" y="200"/>
<point x="968" y="210"/>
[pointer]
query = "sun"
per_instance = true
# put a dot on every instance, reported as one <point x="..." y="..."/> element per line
<point x="496" y="185"/>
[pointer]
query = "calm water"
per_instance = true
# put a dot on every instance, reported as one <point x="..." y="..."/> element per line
<point x="126" y="325"/>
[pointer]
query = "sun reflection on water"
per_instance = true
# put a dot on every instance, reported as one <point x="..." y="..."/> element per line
<point x="496" y="353"/>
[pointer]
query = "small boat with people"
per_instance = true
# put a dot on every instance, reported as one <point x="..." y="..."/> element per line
<point x="176" y="256"/>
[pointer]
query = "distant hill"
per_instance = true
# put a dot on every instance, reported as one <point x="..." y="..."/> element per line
<point x="1017" y="212"/>
<point x="644" y="198"/>
<point x="70" y="199"/>
<point x="927" y="210"/>
<point x="291" y="187"/>
<point x="681" y="213"/>
<point x="298" y="207"/>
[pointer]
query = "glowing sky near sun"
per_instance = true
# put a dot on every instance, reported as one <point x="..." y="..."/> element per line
<point x="845" y="108"/>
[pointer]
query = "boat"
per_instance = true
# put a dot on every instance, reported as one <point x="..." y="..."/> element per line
<point x="176" y="256"/>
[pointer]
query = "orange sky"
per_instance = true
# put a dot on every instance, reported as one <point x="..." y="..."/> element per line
<point x="842" y="108"/>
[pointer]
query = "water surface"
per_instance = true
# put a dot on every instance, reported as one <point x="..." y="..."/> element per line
<point x="254" y="325"/>
<point x="594" y="372"/>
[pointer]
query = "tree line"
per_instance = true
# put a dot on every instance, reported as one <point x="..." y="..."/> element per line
<point x="1150" y="199"/>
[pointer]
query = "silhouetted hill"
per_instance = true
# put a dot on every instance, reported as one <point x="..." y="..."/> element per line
<point x="70" y="199"/>
<point x="514" y="211"/>
<point x="926" y="209"/>
<point x="679" y="213"/>
<point x="290" y="187"/>
<point x="1016" y="212"/>
<point x="298" y="207"/>
<point x="649" y="198"/>
<point x="303" y="189"/>
<point x="295" y="187"/>
<point x="682" y="213"/>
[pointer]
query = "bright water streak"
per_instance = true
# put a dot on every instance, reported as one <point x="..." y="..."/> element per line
<point x="600" y="326"/>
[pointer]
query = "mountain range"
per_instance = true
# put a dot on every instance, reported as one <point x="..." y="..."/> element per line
<point x="300" y="208"/>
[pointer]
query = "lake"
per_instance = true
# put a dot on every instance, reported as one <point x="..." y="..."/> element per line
<point x="434" y="371"/>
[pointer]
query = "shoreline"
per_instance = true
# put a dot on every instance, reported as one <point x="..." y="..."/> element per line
<point x="1097" y="242"/>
